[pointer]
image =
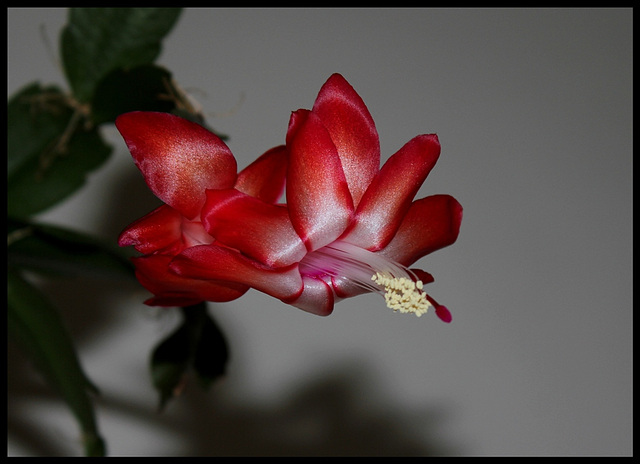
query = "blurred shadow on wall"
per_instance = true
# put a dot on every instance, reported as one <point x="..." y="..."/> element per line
<point x="323" y="417"/>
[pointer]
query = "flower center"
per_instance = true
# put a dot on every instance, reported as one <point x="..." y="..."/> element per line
<point x="401" y="288"/>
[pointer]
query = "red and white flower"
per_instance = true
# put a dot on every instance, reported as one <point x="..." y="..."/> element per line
<point x="348" y="225"/>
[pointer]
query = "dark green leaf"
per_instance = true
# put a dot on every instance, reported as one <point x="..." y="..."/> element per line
<point x="50" y="176"/>
<point x="98" y="40"/>
<point x="36" y="116"/>
<point x="37" y="327"/>
<point x="197" y="343"/>
<point x="143" y="88"/>
<point x="50" y="150"/>
<point x="170" y="362"/>
<point x="211" y="354"/>
<point x="59" y="251"/>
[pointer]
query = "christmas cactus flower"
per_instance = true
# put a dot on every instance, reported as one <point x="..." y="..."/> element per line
<point x="347" y="226"/>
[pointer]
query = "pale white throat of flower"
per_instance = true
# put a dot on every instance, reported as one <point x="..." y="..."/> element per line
<point x="401" y="288"/>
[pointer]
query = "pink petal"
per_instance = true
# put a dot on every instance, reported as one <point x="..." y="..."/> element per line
<point x="430" y="224"/>
<point x="316" y="297"/>
<point x="347" y="288"/>
<point x="260" y="230"/>
<point x="159" y="229"/>
<point x="391" y="192"/>
<point x="265" y="177"/>
<point x="352" y="131"/>
<point x="179" y="159"/>
<point x="320" y="204"/>
<point x="220" y="263"/>
<point x="170" y="289"/>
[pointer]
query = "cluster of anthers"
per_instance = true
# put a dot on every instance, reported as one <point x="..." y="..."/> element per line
<point x="403" y="294"/>
<point x="401" y="288"/>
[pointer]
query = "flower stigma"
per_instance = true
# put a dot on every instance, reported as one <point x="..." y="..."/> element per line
<point x="401" y="288"/>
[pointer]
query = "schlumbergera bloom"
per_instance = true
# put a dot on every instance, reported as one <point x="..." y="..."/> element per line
<point x="348" y="225"/>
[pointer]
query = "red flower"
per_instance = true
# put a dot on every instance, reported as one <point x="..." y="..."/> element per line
<point x="348" y="226"/>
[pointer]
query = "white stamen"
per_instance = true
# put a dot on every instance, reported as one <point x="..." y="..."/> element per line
<point x="401" y="288"/>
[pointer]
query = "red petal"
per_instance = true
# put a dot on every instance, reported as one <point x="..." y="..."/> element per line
<point x="220" y="263"/>
<point x="319" y="201"/>
<point x="260" y="230"/>
<point x="316" y="297"/>
<point x="156" y="231"/>
<point x="164" y="230"/>
<point x="265" y="177"/>
<point x="430" y="224"/>
<point x="179" y="159"/>
<point x="352" y="130"/>
<point x="390" y="194"/>
<point x="424" y="276"/>
<point x="347" y="288"/>
<point x="170" y="289"/>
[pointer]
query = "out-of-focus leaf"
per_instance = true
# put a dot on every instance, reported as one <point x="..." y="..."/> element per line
<point x="55" y="250"/>
<point x="144" y="88"/>
<point x="98" y="40"/>
<point x="211" y="353"/>
<point x="36" y="116"/>
<point x="50" y="150"/>
<point x="170" y="362"/>
<point x="197" y="343"/>
<point x="37" y="327"/>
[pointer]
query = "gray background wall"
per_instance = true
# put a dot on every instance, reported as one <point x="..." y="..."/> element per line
<point x="533" y="108"/>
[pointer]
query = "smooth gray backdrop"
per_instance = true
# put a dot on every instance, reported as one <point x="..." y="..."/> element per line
<point x="533" y="108"/>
